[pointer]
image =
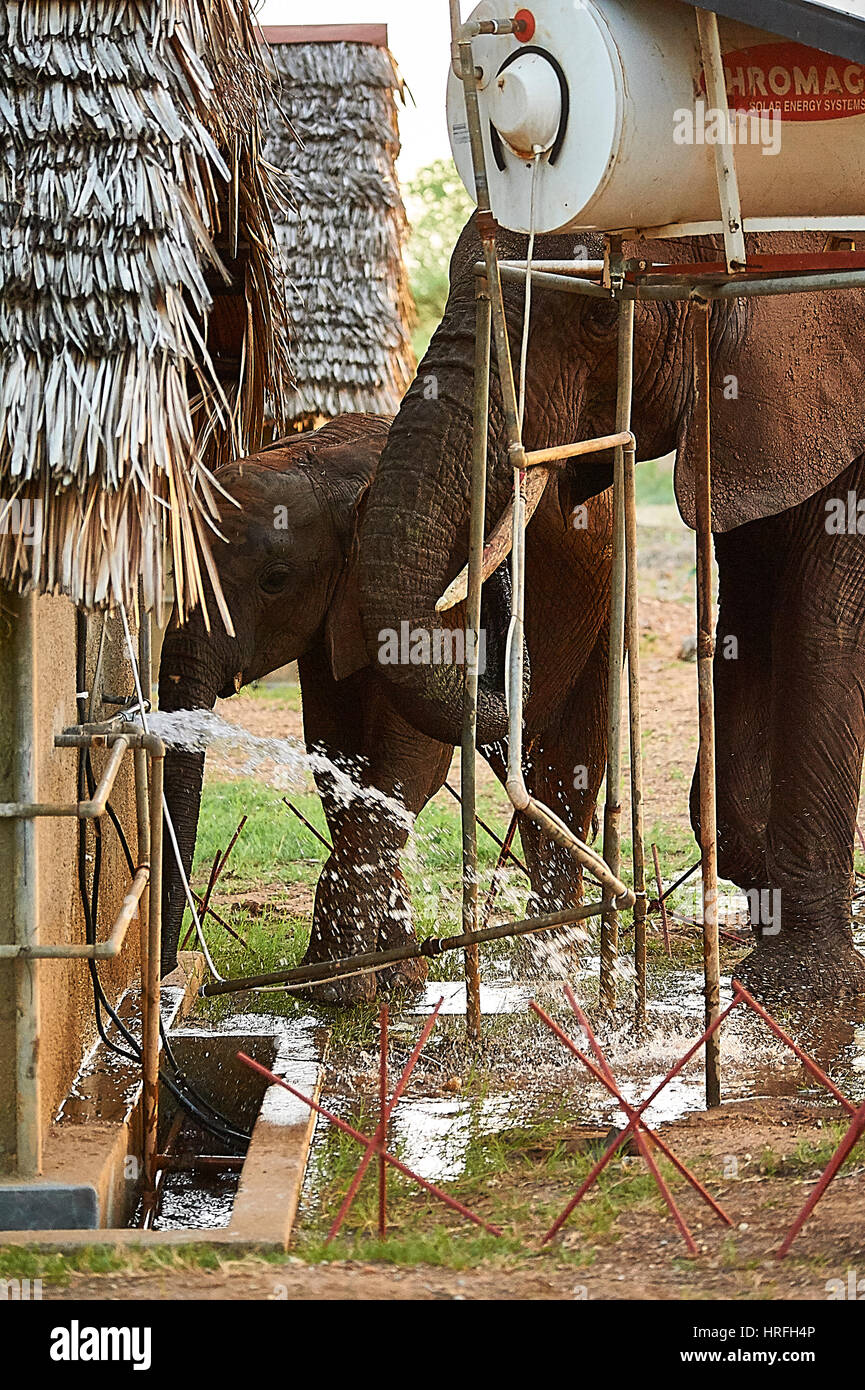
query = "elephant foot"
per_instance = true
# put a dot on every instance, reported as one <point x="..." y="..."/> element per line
<point x="804" y="968"/>
<point x="354" y="989"/>
<point x="408" y="977"/>
<point x="351" y="989"/>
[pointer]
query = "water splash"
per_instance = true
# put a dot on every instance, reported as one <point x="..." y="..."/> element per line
<point x="283" y="763"/>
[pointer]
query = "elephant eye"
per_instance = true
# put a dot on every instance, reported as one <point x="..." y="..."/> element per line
<point x="274" y="579"/>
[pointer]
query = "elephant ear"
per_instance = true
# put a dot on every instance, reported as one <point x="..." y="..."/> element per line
<point x="350" y="473"/>
<point x="346" y="648"/>
<point x="787" y="393"/>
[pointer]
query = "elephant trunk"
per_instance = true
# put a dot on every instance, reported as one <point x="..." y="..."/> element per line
<point x="189" y="678"/>
<point x="415" y="537"/>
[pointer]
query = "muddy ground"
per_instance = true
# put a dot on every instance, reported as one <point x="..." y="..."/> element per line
<point x="759" y="1158"/>
<point x="643" y="1258"/>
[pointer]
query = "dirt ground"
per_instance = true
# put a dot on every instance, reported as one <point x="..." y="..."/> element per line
<point x="647" y="1261"/>
<point x="643" y="1257"/>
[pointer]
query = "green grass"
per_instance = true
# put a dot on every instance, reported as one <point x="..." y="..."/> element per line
<point x="274" y="846"/>
<point x="518" y="1180"/>
<point x="279" y="692"/>
<point x="655" y="483"/>
<point x="808" y="1159"/>
<point x="55" y="1268"/>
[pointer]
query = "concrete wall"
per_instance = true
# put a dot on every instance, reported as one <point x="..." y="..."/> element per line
<point x="65" y="1001"/>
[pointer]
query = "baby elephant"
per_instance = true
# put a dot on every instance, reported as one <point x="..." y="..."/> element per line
<point x="288" y="571"/>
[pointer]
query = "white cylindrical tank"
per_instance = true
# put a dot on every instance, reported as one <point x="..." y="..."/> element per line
<point x="612" y="95"/>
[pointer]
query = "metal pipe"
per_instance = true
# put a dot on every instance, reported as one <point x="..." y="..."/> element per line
<point x="480" y="431"/>
<point x="737" y="288"/>
<point x="145" y="649"/>
<point x="383" y="1118"/>
<point x="725" y="159"/>
<point x="665" y="925"/>
<point x="612" y="805"/>
<point x="632" y="627"/>
<point x="142" y="821"/>
<point x="82" y="810"/>
<point x="25" y="893"/>
<point x="103" y="950"/>
<point x="548" y="280"/>
<point x="370" y="961"/>
<point x="456" y="27"/>
<point x="150" y="971"/>
<point x="705" y="660"/>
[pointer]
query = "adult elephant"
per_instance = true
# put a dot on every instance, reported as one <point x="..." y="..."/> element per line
<point x="288" y="570"/>
<point x="787" y="387"/>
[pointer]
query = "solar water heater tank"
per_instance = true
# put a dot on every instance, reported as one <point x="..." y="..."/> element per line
<point x="610" y="98"/>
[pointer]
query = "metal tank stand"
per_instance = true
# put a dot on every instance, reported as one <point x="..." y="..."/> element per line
<point x="531" y="472"/>
<point x="626" y="282"/>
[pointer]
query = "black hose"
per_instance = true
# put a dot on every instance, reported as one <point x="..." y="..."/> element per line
<point x="194" y="1104"/>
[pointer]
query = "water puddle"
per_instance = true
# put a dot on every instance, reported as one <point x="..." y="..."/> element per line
<point x="495" y="999"/>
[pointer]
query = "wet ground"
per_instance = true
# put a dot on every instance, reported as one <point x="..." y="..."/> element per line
<point x="512" y="1129"/>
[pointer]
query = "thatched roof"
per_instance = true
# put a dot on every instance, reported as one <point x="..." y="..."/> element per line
<point x="131" y="190"/>
<point x="343" y="242"/>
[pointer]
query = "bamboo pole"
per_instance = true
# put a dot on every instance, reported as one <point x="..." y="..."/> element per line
<point x="705" y="659"/>
<point x="612" y="806"/>
<point x="150" y="974"/>
<point x="468" y="787"/>
<point x="632" y="625"/>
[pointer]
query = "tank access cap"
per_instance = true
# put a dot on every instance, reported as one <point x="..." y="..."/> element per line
<point x="525" y="103"/>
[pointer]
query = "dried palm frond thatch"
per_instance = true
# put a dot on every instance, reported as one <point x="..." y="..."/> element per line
<point x="133" y="200"/>
<point x="343" y="241"/>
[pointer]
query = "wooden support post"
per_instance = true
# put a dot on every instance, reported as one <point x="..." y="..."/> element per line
<point x="705" y="660"/>
<point x="612" y="806"/>
<point x="472" y="650"/>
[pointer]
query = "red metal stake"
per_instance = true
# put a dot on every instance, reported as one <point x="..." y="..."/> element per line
<point x="376" y="1144"/>
<point x="634" y="1116"/>
<point x="382" y="1126"/>
<point x="807" y="1062"/>
<point x="844" y="1149"/>
<point x="629" y="1110"/>
<point x="372" y="1145"/>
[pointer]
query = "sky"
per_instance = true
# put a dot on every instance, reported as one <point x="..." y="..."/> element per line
<point x="419" y="38"/>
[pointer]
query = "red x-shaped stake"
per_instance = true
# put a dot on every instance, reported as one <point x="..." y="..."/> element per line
<point x="848" y="1143"/>
<point x="375" y="1146"/>
<point x="635" y="1123"/>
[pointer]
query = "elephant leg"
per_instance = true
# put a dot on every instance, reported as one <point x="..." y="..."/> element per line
<point x="362" y="900"/>
<point x="818" y="736"/>
<point x="743" y="696"/>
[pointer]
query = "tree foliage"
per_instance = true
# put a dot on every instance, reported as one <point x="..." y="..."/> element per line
<point x="438" y="208"/>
